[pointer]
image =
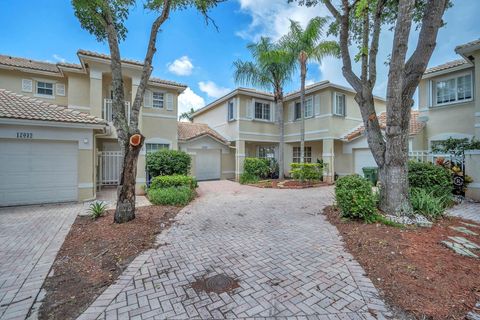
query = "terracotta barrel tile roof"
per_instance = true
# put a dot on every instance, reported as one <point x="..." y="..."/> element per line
<point x="167" y="82"/>
<point x="447" y="65"/>
<point x="416" y="126"/>
<point x="28" y="64"/>
<point x="188" y="131"/>
<point x="17" y="106"/>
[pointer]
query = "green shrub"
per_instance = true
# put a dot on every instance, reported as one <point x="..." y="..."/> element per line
<point x="167" y="162"/>
<point x="427" y="204"/>
<point x="355" y="198"/>
<point x="246" y="178"/>
<point x="171" y="196"/>
<point x="173" y="181"/>
<point x="436" y="180"/>
<point x="257" y="167"/>
<point x="306" y="171"/>
<point x="97" y="209"/>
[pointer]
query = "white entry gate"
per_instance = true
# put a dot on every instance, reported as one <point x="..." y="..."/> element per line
<point x="109" y="167"/>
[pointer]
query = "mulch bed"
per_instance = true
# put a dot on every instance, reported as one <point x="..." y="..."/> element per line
<point x="288" y="184"/>
<point x="94" y="254"/>
<point x="412" y="269"/>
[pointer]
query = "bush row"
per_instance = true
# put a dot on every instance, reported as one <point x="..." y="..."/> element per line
<point x="306" y="171"/>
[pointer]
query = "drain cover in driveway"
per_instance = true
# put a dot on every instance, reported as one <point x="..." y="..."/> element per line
<point x="218" y="283"/>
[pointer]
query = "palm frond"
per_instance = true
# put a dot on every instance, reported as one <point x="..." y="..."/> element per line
<point x="325" y="49"/>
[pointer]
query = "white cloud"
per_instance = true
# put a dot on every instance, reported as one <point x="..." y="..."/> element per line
<point x="189" y="99"/>
<point x="58" y="58"/>
<point x="272" y="18"/>
<point x="212" y="89"/>
<point x="182" y="66"/>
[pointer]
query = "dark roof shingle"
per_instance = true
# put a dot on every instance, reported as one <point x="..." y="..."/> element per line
<point x="17" y="106"/>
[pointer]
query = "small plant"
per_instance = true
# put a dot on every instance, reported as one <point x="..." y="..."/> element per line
<point x="306" y="171"/>
<point x="246" y="178"/>
<point x="427" y="204"/>
<point x="355" y="198"/>
<point x="174" y="196"/>
<point x="97" y="209"/>
<point x="434" y="179"/>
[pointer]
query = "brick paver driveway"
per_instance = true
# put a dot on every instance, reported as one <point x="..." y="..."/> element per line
<point x="30" y="238"/>
<point x="288" y="260"/>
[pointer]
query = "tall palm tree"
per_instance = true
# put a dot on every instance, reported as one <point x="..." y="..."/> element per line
<point x="272" y="67"/>
<point x="307" y="45"/>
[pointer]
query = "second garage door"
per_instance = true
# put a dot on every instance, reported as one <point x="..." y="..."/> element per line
<point x="363" y="158"/>
<point x="207" y="164"/>
<point x="33" y="172"/>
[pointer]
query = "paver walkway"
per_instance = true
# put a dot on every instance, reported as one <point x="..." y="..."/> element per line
<point x="30" y="238"/>
<point x="289" y="261"/>
<point x="467" y="210"/>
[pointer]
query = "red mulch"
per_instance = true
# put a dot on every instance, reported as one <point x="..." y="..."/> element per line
<point x="288" y="184"/>
<point x="412" y="269"/>
<point x="94" y="254"/>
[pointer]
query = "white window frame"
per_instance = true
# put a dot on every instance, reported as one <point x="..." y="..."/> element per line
<point x="43" y="95"/>
<point x="335" y="106"/>
<point x="158" y="100"/>
<point x="265" y="155"/>
<point x="433" y="89"/>
<point x="264" y="104"/>
<point x="231" y="110"/>
<point x="308" y="109"/>
<point x="156" y="147"/>
<point x="307" y="154"/>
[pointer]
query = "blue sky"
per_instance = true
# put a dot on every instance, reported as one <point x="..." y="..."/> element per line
<point x="191" y="52"/>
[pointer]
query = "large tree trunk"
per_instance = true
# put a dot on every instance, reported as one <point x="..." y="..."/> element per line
<point x="303" y="75"/>
<point x="125" y="210"/>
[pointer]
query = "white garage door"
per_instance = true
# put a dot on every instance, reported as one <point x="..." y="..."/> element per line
<point x="33" y="172"/>
<point x="363" y="158"/>
<point x="207" y="164"/>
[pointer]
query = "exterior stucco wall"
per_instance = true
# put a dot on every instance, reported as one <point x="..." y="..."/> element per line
<point x="472" y="168"/>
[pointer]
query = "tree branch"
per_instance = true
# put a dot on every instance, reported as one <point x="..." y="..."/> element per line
<point x="147" y="64"/>
<point x="377" y="24"/>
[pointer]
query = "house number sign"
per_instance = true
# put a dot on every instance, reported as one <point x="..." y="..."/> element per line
<point x="24" y="135"/>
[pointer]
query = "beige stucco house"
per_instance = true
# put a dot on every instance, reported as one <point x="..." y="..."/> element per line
<point x="52" y="158"/>
<point x="247" y="119"/>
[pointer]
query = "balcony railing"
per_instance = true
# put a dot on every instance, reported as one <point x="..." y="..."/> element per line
<point x="107" y="112"/>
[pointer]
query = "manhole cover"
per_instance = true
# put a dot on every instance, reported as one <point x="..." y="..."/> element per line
<point x="218" y="283"/>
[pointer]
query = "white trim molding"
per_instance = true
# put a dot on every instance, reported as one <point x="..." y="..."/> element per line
<point x="85" y="185"/>
<point x="157" y="115"/>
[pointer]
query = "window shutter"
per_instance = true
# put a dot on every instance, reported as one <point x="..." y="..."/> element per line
<point x="148" y="99"/>
<point x="291" y="110"/>
<point x="250" y="105"/>
<point x="60" y="89"/>
<point x="316" y="104"/>
<point x="27" y="85"/>
<point x="272" y="112"/>
<point x="169" y="101"/>
<point x="235" y="104"/>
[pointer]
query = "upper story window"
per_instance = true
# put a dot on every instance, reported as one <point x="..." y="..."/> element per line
<point x="157" y="99"/>
<point x="339" y="104"/>
<point x="456" y="89"/>
<point x="307" y="155"/>
<point x="45" y="88"/>
<point x="152" y="147"/>
<point x="266" y="152"/>
<point x="262" y="111"/>
<point x="308" y="109"/>
<point x="231" y="115"/>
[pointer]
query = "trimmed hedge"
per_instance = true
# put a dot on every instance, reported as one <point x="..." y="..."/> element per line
<point x="355" y="198"/>
<point x="167" y="162"/>
<point x="248" y="178"/>
<point x="173" y="181"/>
<point x="256" y="167"/>
<point x="306" y="171"/>
<point x="171" y="196"/>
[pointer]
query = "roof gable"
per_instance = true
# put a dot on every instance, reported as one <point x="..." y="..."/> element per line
<point x="188" y="131"/>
